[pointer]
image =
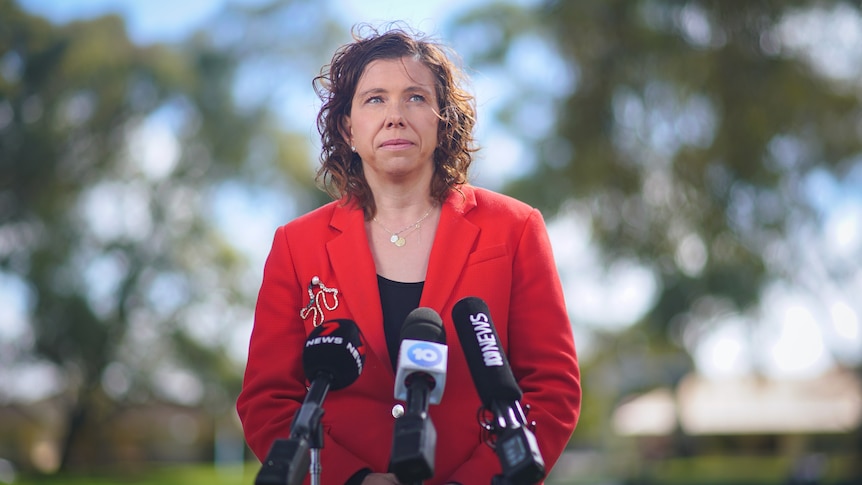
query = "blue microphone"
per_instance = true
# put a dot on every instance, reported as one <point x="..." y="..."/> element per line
<point x="419" y="380"/>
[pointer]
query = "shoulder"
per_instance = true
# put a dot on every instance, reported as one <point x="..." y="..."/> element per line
<point x="323" y="224"/>
<point x="319" y="218"/>
<point x="490" y="203"/>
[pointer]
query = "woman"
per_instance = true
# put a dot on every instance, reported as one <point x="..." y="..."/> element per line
<point x="406" y="230"/>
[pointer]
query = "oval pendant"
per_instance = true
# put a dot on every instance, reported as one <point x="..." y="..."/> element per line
<point x="400" y="242"/>
<point x="394" y="239"/>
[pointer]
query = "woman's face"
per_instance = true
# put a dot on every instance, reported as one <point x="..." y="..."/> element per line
<point x="393" y="121"/>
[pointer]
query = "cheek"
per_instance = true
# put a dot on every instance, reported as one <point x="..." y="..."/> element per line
<point x="355" y="130"/>
<point x="427" y="123"/>
<point x="363" y="134"/>
<point x="434" y="128"/>
<point x="364" y="125"/>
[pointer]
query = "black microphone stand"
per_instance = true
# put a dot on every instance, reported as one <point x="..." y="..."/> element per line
<point x="412" y="458"/>
<point x="316" y="445"/>
<point x="290" y="460"/>
<point x="516" y="447"/>
<point x="286" y="462"/>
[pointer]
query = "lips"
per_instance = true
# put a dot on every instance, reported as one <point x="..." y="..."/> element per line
<point x="396" y="143"/>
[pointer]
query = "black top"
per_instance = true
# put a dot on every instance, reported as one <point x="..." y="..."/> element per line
<point x="398" y="300"/>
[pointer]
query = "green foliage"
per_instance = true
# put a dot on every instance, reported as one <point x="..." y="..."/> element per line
<point x="111" y="158"/>
<point x="684" y="132"/>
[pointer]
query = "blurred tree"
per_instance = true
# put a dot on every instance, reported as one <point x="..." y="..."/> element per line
<point x="113" y="160"/>
<point x="689" y="133"/>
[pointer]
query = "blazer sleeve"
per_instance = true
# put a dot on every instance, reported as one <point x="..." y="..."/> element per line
<point x="274" y="385"/>
<point x="541" y="345"/>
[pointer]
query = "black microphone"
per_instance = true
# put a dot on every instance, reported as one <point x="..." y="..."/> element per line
<point x="332" y="359"/>
<point x="515" y="445"/>
<point x="419" y="380"/>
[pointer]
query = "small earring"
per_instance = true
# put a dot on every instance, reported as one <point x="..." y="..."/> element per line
<point x="352" y="148"/>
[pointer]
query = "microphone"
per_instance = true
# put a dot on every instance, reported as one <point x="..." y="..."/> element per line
<point x="515" y="444"/>
<point x="419" y="380"/>
<point x="335" y="353"/>
<point x="332" y="359"/>
<point x="423" y="351"/>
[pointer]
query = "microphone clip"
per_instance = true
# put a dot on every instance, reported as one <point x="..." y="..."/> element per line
<point x="492" y="424"/>
<point x="505" y="430"/>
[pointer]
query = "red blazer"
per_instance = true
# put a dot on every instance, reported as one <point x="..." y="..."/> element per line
<point x="487" y="245"/>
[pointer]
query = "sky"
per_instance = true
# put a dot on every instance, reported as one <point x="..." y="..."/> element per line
<point x="148" y="22"/>
<point x="792" y="340"/>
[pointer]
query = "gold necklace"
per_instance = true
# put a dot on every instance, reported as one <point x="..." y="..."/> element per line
<point x="397" y="237"/>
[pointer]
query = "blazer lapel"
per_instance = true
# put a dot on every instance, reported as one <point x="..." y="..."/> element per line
<point x="452" y="243"/>
<point x="351" y="259"/>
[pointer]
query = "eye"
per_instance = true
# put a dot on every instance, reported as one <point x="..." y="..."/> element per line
<point x="374" y="100"/>
<point x="417" y="97"/>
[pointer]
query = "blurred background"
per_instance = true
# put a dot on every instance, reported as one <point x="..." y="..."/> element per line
<point x="699" y="164"/>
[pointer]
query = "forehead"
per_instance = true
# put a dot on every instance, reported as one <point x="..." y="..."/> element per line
<point x="381" y="73"/>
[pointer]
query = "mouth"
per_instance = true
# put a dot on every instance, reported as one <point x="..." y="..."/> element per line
<point x="395" y="144"/>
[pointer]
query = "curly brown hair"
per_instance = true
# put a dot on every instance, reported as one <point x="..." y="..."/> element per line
<point x="340" y="173"/>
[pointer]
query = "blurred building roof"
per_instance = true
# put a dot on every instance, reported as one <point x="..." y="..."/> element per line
<point x="830" y="403"/>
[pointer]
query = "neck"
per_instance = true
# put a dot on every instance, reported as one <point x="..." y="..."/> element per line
<point x="398" y="215"/>
<point x="400" y="194"/>
<point x="402" y="204"/>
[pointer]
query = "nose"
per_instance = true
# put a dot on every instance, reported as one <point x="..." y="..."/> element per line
<point x="394" y="118"/>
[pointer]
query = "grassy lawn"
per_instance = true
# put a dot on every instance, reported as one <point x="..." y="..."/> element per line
<point x="157" y="475"/>
<point x="838" y="469"/>
<point x="691" y="471"/>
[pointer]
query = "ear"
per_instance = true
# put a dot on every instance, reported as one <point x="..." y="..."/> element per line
<point x="344" y="128"/>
